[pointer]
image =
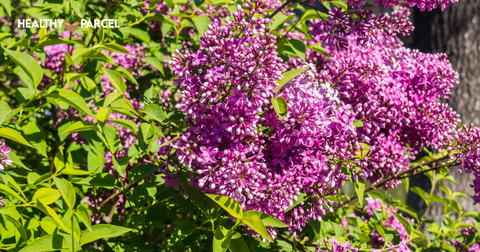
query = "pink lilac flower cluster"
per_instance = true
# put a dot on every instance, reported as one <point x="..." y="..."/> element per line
<point x="395" y="92"/>
<point x="421" y="4"/>
<point x="238" y="145"/>
<point x="341" y="26"/>
<point x="55" y="56"/>
<point x="4" y="157"/>
<point x="131" y="61"/>
<point x="467" y="143"/>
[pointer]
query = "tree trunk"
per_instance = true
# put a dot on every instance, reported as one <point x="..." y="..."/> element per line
<point x="456" y="32"/>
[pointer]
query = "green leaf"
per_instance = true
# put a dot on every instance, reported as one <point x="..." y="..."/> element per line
<point x="337" y="229"/>
<point x="151" y="96"/>
<point x="181" y="231"/>
<point x="137" y="33"/>
<point x="268" y="220"/>
<point x="456" y="206"/>
<point x="380" y="231"/>
<point x="406" y="209"/>
<point x="198" y="2"/>
<point x="463" y="225"/>
<point x="406" y="183"/>
<point x="320" y="49"/>
<point x="358" y="123"/>
<point x="459" y="194"/>
<point x="359" y="186"/>
<point x="229" y="204"/>
<point x="82" y="214"/>
<point x="238" y="244"/>
<point x="8" y="191"/>
<point x="201" y="22"/>
<point x="113" y="47"/>
<point x="300" y="198"/>
<point x="6" y="113"/>
<point x="363" y="238"/>
<point x="14" y="136"/>
<point x="287" y="76"/>
<point x="316" y="225"/>
<point x="116" y="80"/>
<point x="444" y="177"/>
<point x="155" y="112"/>
<point x="127" y="74"/>
<point x="46" y="195"/>
<point x="112" y="138"/>
<point x="13" y="184"/>
<point x="420" y="192"/>
<point x="30" y="71"/>
<point x="206" y="205"/>
<point x="18" y="225"/>
<point x="74" y="76"/>
<point x="221" y="239"/>
<point x="6" y="4"/>
<point x="404" y="222"/>
<point x="79" y="7"/>
<point x="17" y="161"/>
<point x="103" y="115"/>
<point x="280" y="106"/>
<point x="53" y="242"/>
<point x="421" y="240"/>
<point x="142" y="171"/>
<point x="154" y="63"/>
<point x="68" y="59"/>
<point x="146" y="135"/>
<point x="24" y="94"/>
<point x="126" y="123"/>
<point x="473" y="214"/>
<point x="49" y="211"/>
<point x="102" y="231"/>
<point x="79" y="127"/>
<point x="88" y="84"/>
<point x="298" y="47"/>
<point x="72" y="99"/>
<point x="121" y="165"/>
<point x="279" y="19"/>
<point x="112" y="97"/>
<point x="313" y="14"/>
<point x="67" y="191"/>
<point x="257" y="225"/>
<point x="35" y="135"/>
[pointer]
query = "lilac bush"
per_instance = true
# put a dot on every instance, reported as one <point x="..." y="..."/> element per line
<point x="222" y="125"/>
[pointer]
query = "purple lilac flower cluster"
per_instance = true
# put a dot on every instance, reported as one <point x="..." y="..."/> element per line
<point x="4" y="157"/>
<point x="238" y="145"/>
<point x="395" y="92"/>
<point x="421" y="4"/>
<point x="365" y="27"/>
<point x="468" y="144"/>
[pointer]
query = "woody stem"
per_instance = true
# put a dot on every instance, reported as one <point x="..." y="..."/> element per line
<point x="96" y="29"/>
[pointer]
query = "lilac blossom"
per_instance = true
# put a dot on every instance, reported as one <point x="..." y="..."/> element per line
<point x="4" y="157"/>
<point x="236" y="143"/>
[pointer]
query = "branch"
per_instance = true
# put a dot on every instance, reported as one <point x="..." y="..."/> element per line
<point x="399" y="176"/>
<point x="96" y="29"/>
<point x="113" y="196"/>
<point x="280" y="8"/>
<point x="155" y="241"/>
